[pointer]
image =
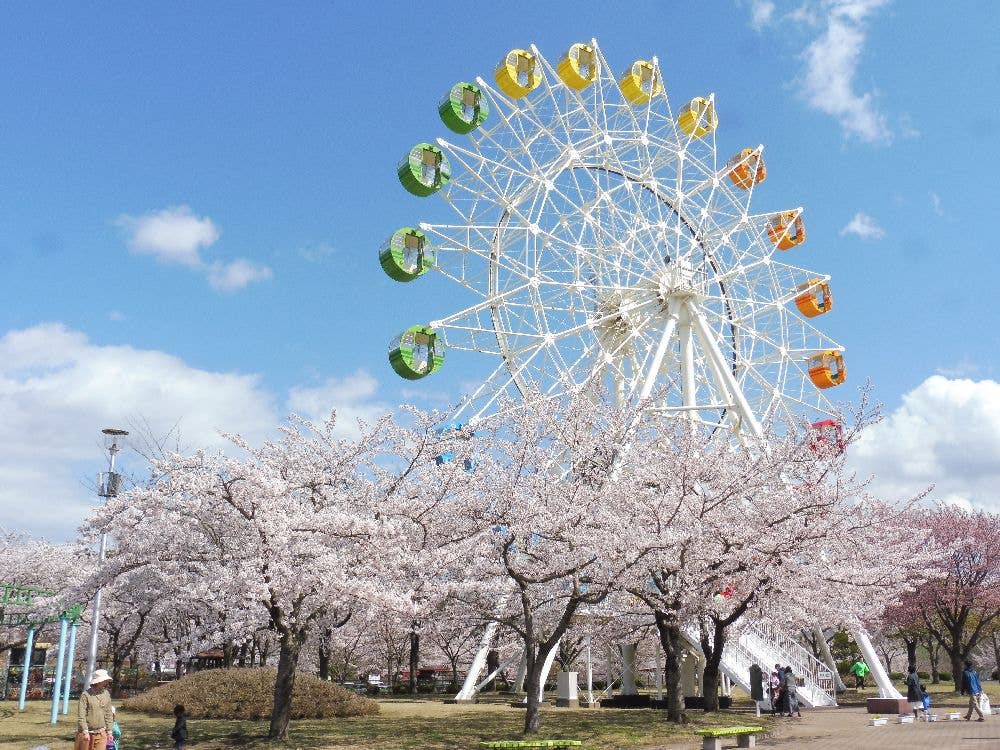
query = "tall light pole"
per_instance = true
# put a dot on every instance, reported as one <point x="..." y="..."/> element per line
<point x="108" y="484"/>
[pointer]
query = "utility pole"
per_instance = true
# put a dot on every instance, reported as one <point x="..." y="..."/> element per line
<point x="108" y="484"/>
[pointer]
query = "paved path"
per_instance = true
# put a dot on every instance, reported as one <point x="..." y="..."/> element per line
<point x="847" y="729"/>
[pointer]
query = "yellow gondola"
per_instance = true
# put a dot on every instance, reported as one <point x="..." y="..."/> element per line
<point x="641" y="82"/>
<point x="827" y="369"/>
<point x="518" y="73"/>
<point x="815" y="299"/>
<point x="698" y="117"/>
<point x="786" y="229"/>
<point x="578" y="67"/>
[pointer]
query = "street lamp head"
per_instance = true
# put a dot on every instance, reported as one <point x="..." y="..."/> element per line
<point x="114" y="431"/>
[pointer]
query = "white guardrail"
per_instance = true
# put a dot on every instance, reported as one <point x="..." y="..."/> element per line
<point x="763" y="644"/>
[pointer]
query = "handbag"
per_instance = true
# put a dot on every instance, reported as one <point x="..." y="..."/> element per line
<point x="984" y="704"/>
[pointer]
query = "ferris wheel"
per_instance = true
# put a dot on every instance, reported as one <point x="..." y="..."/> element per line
<point x="599" y="238"/>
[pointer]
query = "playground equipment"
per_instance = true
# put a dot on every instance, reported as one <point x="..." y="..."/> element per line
<point x="21" y="597"/>
<point x="598" y="238"/>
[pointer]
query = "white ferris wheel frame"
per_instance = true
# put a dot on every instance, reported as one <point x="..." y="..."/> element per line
<point x="603" y="242"/>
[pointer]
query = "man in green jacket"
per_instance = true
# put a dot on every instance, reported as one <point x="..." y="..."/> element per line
<point x="860" y="670"/>
<point x="94" y="716"/>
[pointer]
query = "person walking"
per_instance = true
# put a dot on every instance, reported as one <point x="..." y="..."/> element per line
<point x="915" y="691"/>
<point x="789" y="690"/>
<point x="180" y="732"/>
<point x="774" y="688"/>
<point x="94" y="718"/>
<point x="972" y="686"/>
<point x="860" y="670"/>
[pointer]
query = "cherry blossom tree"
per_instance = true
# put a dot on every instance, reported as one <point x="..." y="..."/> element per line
<point x="776" y="527"/>
<point x="961" y="604"/>
<point x="288" y="530"/>
<point x="541" y="529"/>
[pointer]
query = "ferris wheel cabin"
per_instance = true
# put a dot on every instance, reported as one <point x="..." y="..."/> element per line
<point x="786" y="230"/>
<point x="517" y="74"/>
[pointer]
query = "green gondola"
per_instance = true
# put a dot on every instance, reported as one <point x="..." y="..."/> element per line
<point x="417" y="352"/>
<point x="406" y="255"/>
<point x="424" y="170"/>
<point x="464" y="109"/>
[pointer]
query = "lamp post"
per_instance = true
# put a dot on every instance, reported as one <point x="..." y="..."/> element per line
<point x="108" y="484"/>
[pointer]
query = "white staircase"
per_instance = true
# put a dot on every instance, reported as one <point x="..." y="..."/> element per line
<point x="763" y="644"/>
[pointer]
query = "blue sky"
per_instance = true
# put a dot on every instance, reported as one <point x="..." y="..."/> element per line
<point x="265" y="139"/>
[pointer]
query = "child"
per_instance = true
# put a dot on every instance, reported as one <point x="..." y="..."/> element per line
<point x="180" y="733"/>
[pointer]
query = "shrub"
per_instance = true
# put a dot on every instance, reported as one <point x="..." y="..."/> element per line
<point x="897" y="676"/>
<point x="946" y="676"/>
<point x="924" y="675"/>
<point x="249" y="694"/>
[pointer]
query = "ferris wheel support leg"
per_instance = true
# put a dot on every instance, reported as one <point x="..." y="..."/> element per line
<point x="673" y="310"/>
<point x="824" y="649"/>
<point x="546" y="668"/>
<point x="468" y="692"/>
<point x="688" y="387"/>
<point x="722" y="371"/>
<point x="885" y="687"/>
<point x="522" y="670"/>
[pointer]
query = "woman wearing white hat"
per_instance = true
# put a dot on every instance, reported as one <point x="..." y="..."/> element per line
<point x="95" y="717"/>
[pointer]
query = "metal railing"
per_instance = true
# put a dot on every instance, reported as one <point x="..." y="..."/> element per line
<point x="764" y="644"/>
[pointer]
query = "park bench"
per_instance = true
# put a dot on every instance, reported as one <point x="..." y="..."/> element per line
<point x="518" y="744"/>
<point x="745" y="736"/>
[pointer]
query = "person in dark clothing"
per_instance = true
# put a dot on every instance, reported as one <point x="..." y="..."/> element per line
<point x="789" y="690"/>
<point x="180" y="733"/>
<point x="914" y="691"/>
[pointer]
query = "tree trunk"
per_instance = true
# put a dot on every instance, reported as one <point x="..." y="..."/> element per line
<point x="956" y="668"/>
<point x="324" y="661"/>
<point x="228" y="654"/>
<point x="934" y="654"/>
<point x="533" y="676"/>
<point x="673" y="644"/>
<point x="995" y="637"/>
<point x="290" y="646"/>
<point x="713" y="657"/>
<point x="454" y="673"/>
<point x="492" y="663"/>
<point x="242" y="660"/>
<point x="911" y="650"/>
<point x="414" y="658"/>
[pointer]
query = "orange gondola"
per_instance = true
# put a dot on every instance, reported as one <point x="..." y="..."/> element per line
<point x="786" y="229"/>
<point x="815" y="298"/>
<point x="827" y="369"/>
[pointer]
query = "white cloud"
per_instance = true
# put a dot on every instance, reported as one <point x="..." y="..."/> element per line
<point x="964" y="368"/>
<point x="945" y="433"/>
<point x="173" y="235"/>
<point x="805" y="14"/>
<point x="228" y="277"/>
<point x="58" y="390"/>
<point x="176" y="235"/>
<point x="353" y="397"/>
<point x="936" y="204"/>
<point x="761" y="13"/>
<point x="831" y="65"/>
<point x="864" y="226"/>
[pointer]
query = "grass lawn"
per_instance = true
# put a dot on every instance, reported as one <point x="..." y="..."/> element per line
<point x="403" y="724"/>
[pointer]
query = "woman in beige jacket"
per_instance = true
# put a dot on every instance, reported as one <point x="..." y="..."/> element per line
<point x="94" y="717"/>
